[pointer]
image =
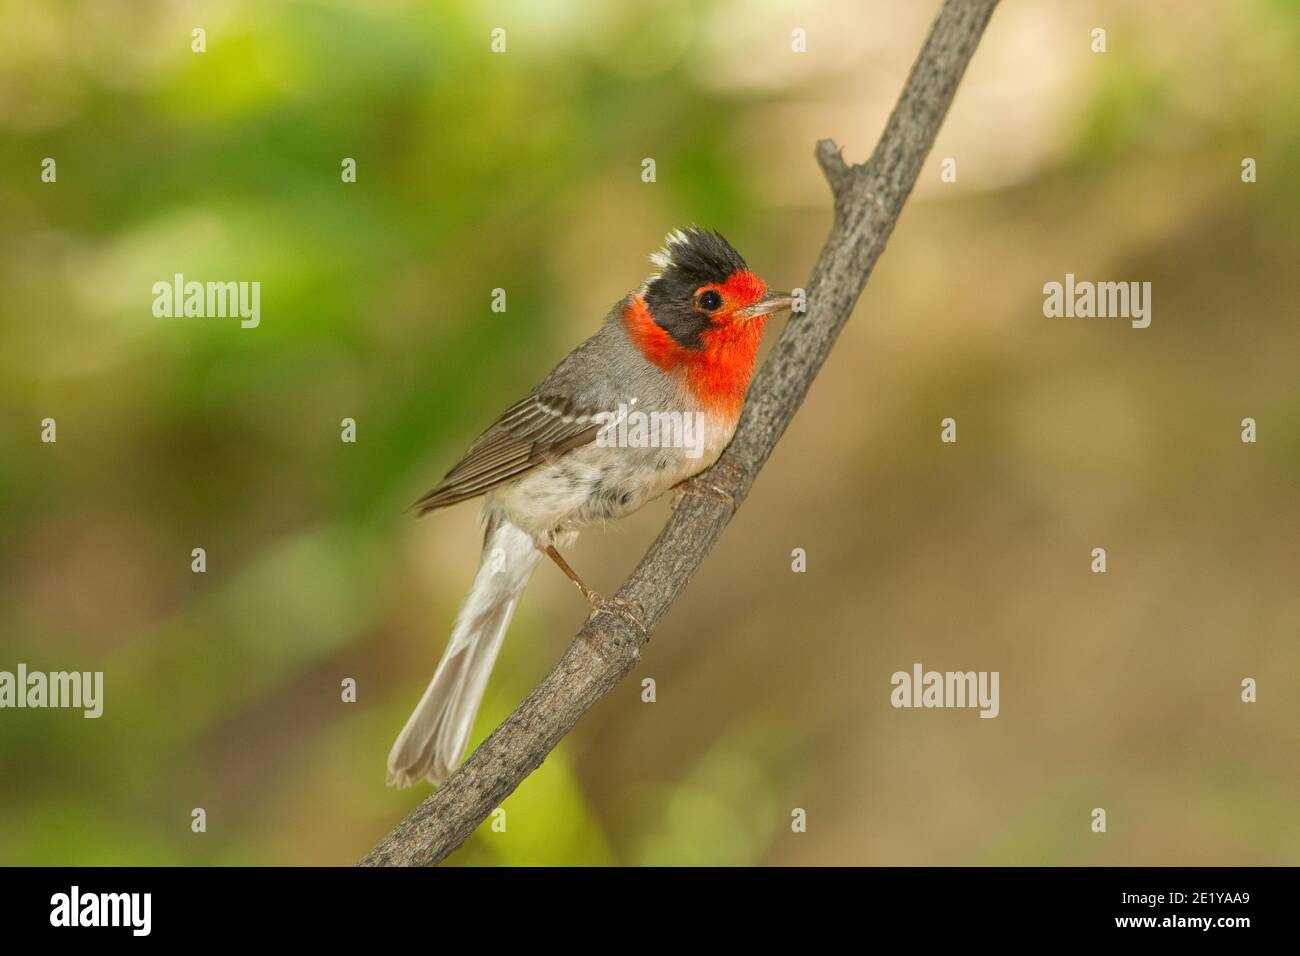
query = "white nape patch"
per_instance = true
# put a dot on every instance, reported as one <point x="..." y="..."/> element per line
<point x="664" y="258"/>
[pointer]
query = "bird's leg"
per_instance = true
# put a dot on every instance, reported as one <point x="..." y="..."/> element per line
<point x="592" y="597"/>
<point x="629" y="610"/>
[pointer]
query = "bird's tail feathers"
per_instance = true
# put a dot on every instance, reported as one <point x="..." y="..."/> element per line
<point x="435" y="737"/>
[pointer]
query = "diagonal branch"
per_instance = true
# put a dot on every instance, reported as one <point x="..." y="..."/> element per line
<point x="868" y="199"/>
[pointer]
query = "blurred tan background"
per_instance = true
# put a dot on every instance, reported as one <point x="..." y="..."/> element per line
<point x="522" y="171"/>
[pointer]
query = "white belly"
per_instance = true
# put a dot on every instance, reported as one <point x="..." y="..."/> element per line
<point x="593" y="484"/>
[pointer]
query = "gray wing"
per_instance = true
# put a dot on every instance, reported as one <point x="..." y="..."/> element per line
<point x="530" y="433"/>
<point x="561" y="414"/>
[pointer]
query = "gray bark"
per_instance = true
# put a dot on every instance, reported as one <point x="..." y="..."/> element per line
<point x="868" y="198"/>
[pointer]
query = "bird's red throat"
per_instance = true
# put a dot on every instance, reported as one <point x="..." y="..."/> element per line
<point x="718" y="374"/>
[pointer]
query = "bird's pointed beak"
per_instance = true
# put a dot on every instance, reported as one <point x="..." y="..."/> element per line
<point x="772" y="302"/>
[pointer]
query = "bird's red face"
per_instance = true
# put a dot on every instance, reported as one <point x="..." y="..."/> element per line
<point x="703" y="316"/>
<point x="741" y="297"/>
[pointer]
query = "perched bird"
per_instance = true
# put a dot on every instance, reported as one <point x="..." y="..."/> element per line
<point x="680" y="349"/>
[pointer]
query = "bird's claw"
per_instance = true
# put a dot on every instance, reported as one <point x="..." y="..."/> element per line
<point x="699" y="486"/>
<point x="630" y="611"/>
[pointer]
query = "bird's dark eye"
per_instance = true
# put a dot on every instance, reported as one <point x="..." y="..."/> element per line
<point x="710" y="301"/>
